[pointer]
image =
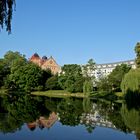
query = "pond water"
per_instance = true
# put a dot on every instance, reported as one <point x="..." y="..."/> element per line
<point x="42" y="118"/>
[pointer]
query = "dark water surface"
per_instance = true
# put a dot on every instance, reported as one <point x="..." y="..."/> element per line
<point x="42" y="118"/>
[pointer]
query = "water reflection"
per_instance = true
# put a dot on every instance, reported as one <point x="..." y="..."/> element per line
<point x="43" y="122"/>
<point x="42" y="112"/>
<point x="130" y="112"/>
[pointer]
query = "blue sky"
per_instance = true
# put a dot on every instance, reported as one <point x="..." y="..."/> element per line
<point x="73" y="31"/>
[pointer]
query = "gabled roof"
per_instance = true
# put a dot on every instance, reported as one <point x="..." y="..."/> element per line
<point x="52" y="59"/>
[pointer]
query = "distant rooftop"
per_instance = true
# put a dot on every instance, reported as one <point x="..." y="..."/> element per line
<point x="114" y="64"/>
<point x="119" y="62"/>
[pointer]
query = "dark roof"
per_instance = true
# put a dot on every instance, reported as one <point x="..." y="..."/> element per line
<point x="36" y="55"/>
<point x="44" y="58"/>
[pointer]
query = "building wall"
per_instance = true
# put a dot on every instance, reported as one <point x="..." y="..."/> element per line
<point x="52" y="65"/>
<point x="47" y="63"/>
<point x="106" y="69"/>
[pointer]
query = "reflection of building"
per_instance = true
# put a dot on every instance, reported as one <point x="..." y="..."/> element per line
<point x="46" y="63"/>
<point x="95" y="119"/>
<point x="43" y="122"/>
<point x="32" y="125"/>
<point x="48" y="122"/>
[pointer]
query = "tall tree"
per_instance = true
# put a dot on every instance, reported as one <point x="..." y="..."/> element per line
<point x="89" y="68"/>
<point x="71" y="78"/>
<point x="28" y="77"/>
<point x="137" y="50"/>
<point x="4" y="71"/>
<point x="52" y="83"/>
<point x="6" y="10"/>
<point x="116" y="76"/>
<point x="131" y="82"/>
<point x="11" y="56"/>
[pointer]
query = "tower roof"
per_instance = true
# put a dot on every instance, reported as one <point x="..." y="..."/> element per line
<point x="44" y="58"/>
<point x="35" y="56"/>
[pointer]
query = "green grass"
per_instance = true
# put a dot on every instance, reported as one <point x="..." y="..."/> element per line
<point x="57" y="93"/>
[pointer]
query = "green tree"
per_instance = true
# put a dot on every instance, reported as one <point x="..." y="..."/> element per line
<point x="116" y="76"/>
<point x="87" y="87"/>
<point x="11" y="59"/>
<point x="131" y="82"/>
<point x="52" y="83"/>
<point x="4" y="71"/>
<point x="103" y="84"/>
<point x="11" y="56"/>
<point x="28" y="78"/>
<point x="137" y="51"/>
<point x="88" y="69"/>
<point x="22" y="73"/>
<point x="6" y="10"/>
<point x="71" y="78"/>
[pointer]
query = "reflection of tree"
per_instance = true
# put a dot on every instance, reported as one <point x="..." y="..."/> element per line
<point x="87" y="108"/>
<point x="6" y="125"/>
<point x="89" y="128"/>
<point x="131" y="111"/>
<point x="24" y="108"/>
<point x="87" y="105"/>
<point x="51" y="103"/>
<point x="116" y="118"/>
<point x="69" y="111"/>
<point x="104" y="107"/>
<point x="111" y="111"/>
<point x="132" y="100"/>
<point x="131" y="118"/>
<point x="20" y="110"/>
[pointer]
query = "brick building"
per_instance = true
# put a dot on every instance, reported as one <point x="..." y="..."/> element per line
<point x="46" y="63"/>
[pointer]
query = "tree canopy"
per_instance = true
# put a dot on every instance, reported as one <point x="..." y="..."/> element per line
<point x="17" y="73"/>
<point x="117" y="75"/>
<point x="131" y="82"/>
<point x="6" y="11"/>
<point x="71" y="78"/>
<point x="88" y="69"/>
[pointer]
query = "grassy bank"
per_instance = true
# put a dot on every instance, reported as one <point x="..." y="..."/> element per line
<point x="58" y="93"/>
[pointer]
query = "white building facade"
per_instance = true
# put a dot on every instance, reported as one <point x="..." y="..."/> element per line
<point x="105" y="69"/>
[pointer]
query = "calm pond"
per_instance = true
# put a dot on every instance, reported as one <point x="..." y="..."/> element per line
<point x="42" y="118"/>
